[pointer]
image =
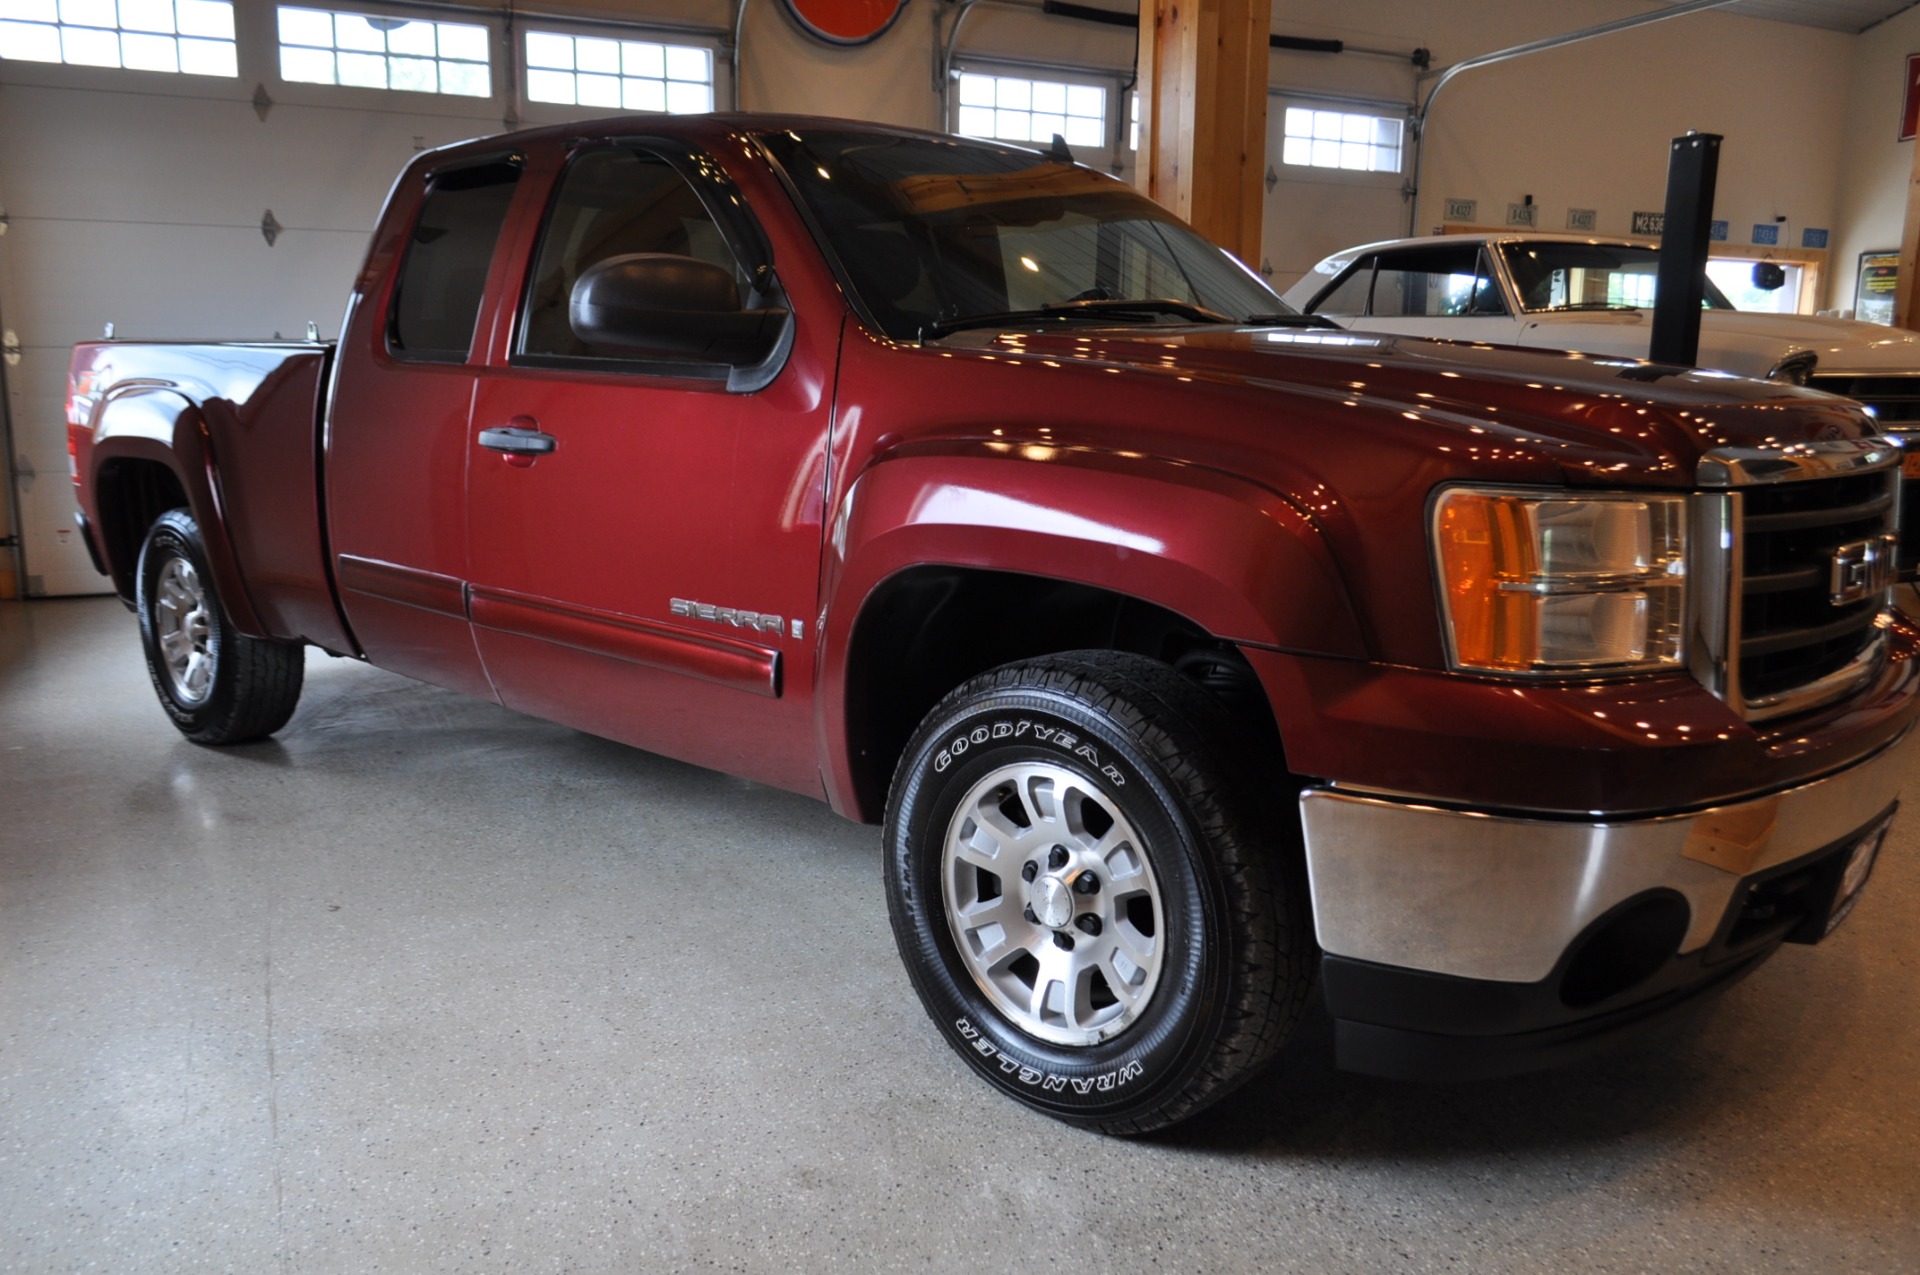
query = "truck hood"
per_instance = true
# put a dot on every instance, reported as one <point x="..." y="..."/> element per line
<point x="1738" y="341"/>
<point x="1596" y="420"/>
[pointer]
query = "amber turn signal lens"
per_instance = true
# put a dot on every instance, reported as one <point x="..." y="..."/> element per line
<point x="1485" y="544"/>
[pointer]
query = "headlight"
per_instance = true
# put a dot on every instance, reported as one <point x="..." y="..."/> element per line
<point x="1532" y="582"/>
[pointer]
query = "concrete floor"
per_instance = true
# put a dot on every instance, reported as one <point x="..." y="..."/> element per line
<point x="423" y="985"/>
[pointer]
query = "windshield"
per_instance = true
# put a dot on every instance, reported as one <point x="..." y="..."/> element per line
<point x="932" y="232"/>
<point x="1583" y="276"/>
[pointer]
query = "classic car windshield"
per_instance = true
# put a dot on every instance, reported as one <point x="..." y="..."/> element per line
<point x="1585" y="276"/>
<point x="934" y="232"/>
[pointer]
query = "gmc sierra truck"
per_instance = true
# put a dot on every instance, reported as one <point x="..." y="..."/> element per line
<point x="1188" y="651"/>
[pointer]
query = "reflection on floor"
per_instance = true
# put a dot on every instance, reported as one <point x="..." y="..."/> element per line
<point x="423" y="985"/>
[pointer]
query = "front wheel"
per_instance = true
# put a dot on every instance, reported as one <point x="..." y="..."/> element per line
<point x="1091" y="899"/>
<point x="219" y="686"/>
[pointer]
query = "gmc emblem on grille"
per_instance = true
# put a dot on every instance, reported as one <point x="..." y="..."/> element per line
<point x="1862" y="569"/>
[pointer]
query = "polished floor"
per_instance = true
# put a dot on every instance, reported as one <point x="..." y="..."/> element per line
<point x="423" y="985"/>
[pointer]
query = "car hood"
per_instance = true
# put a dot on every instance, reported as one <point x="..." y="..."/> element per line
<point x="1594" y="419"/>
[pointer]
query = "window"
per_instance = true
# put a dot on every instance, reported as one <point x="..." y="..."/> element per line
<point x="932" y="232"/>
<point x="441" y="283"/>
<point x="1590" y="276"/>
<point x="186" y="37"/>
<point x="630" y="75"/>
<point x="1736" y="279"/>
<point x="612" y="203"/>
<point x="1348" y="298"/>
<point x="1012" y="109"/>
<point x="1438" y="282"/>
<point x="1337" y="139"/>
<point x="363" y="50"/>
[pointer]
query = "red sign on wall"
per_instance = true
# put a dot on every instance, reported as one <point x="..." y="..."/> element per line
<point x="1910" y="118"/>
<point x="846" y="21"/>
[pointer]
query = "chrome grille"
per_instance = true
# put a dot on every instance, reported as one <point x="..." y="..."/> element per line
<point x="1791" y="632"/>
<point x="1808" y="529"/>
<point x="1895" y="403"/>
<point x="1894" y="399"/>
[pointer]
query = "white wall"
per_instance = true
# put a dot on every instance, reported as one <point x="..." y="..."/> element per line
<point x="1876" y="166"/>
<point x="136" y="197"/>
<point x="1588" y="126"/>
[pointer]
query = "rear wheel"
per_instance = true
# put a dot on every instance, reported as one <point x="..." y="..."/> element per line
<point x="1092" y="900"/>
<point x="218" y="686"/>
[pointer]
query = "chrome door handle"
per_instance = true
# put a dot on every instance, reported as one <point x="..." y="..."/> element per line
<point x="517" y="440"/>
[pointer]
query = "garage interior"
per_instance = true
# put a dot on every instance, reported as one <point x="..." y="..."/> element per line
<point x="423" y="984"/>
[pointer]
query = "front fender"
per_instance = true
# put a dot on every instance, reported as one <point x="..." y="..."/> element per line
<point x="153" y="422"/>
<point x="1242" y="563"/>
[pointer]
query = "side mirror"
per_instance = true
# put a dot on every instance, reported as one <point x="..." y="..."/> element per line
<point x="1768" y="277"/>
<point x="655" y="303"/>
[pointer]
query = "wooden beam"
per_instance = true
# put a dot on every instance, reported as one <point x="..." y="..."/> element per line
<point x="1906" y="310"/>
<point x="1203" y="115"/>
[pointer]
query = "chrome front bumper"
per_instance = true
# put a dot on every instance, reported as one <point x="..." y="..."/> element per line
<point x="1500" y="897"/>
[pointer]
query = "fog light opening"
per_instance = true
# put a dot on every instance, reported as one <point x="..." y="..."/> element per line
<point x="1625" y="948"/>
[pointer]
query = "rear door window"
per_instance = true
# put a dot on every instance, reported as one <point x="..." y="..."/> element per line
<point x="437" y="301"/>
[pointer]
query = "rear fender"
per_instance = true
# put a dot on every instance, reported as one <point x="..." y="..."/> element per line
<point x="154" y="422"/>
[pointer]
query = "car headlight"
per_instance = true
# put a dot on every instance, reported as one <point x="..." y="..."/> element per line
<point x="1533" y="582"/>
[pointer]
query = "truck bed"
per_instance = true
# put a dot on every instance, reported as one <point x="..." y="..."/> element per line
<point x="243" y="417"/>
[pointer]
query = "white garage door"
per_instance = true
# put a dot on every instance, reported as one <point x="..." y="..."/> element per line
<point x="1339" y="168"/>
<point x="137" y="197"/>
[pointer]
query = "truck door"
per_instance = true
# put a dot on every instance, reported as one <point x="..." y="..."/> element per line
<point x="397" y="428"/>
<point x="645" y="543"/>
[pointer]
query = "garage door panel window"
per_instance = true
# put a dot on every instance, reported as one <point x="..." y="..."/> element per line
<point x="181" y="37"/>
<point x="1341" y="139"/>
<point x="631" y="75"/>
<point x="360" y="50"/>
<point x="1012" y="108"/>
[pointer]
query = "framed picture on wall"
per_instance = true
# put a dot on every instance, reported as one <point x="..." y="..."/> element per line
<point x="1875" y="285"/>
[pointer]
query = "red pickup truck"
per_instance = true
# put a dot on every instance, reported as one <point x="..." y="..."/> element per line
<point x="1189" y="651"/>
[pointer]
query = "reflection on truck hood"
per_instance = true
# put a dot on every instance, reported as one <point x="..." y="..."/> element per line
<point x="1595" y="419"/>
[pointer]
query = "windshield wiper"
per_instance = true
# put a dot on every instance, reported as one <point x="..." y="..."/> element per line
<point x="1092" y="308"/>
<point x="1591" y="305"/>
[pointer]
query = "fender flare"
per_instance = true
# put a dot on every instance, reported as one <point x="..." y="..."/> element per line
<point x="151" y="421"/>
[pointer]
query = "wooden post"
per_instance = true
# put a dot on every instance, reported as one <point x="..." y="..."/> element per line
<point x="1203" y="115"/>
<point x="1906" y="310"/>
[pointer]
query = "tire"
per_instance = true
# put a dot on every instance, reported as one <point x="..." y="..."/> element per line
<point x="218" y="686"/>
<point x="1096" y="906"/>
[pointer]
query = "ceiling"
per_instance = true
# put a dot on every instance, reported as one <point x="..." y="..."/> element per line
<point x="1835" y="15"/>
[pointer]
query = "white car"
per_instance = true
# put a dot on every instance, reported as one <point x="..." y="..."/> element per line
<point x="1568" y="292"/>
